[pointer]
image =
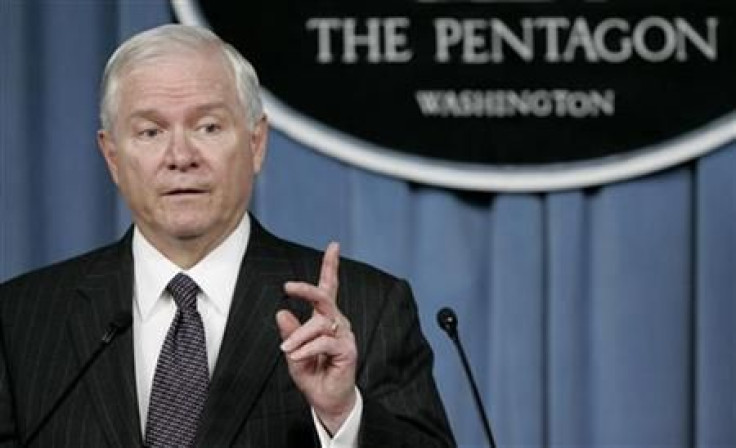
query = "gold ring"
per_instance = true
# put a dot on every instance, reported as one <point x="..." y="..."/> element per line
<point x="335" y="325"/>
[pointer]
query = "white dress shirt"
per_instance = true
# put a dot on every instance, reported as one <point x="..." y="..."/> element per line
<point x="154" y="309"/>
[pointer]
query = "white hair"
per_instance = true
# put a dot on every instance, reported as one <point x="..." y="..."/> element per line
<point x="172" y="38"/>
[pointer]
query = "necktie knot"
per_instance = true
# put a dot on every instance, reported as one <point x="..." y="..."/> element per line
<point x="184" y="291"/>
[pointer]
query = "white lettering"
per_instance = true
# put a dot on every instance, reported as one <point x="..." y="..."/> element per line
<point x="560" y="103"/>
<point x="552" y="27"/>
<point x="371" y="39"/>
<point x="396" y="40"/>
<point x="555" y="40"/>
<point x="623" y="53"/>
<point x="523" y="47"/>
<point x="474" y="42"/>
<point x="645" y="48"/>
<point x="324" y="44"/>
<point x="580" y="38"/>
<point x="380" y="39"/>
<point x="709" y="47"/>
<point x="448" y="33"/>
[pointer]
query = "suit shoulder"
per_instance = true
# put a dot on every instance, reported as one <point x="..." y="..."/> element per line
<point x="58" y="273"/>
<point x="311" y="260"/>
<point x="307" y="260"/>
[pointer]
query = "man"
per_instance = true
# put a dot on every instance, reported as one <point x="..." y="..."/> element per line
<point x="238" y="338"/>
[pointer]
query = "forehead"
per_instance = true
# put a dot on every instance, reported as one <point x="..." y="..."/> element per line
<point x="177" y="81"/>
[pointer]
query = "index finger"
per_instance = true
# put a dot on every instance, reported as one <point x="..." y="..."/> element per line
<point x="322" y="296"/>
<point x="328" y="280"/>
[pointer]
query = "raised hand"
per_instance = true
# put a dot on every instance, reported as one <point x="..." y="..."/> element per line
<point x="321" y="352"/>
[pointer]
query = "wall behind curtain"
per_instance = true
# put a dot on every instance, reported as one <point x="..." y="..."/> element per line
<point x="603" y="317"/>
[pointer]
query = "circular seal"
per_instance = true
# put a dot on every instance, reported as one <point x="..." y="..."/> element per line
<point x="493" y="95"/>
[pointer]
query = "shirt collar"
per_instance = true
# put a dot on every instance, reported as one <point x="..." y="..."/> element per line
<point x="216" y="274"/>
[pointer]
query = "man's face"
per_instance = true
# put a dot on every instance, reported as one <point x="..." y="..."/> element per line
<point x="181" y="151"/>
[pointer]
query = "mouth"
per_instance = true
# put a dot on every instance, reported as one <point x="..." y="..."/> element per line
<point x="184" y="192"/>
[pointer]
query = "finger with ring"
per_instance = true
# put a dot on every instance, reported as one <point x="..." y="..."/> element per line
<point x="335" y="325"/>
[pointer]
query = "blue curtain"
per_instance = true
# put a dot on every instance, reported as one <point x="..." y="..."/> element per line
<point x="603" y="317"/>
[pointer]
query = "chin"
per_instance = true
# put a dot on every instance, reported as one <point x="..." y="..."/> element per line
<point x="187" y="230"/>
<point x="187" y="235"/>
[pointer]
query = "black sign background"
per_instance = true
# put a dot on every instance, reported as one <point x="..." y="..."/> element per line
<point x="377" y="102"/>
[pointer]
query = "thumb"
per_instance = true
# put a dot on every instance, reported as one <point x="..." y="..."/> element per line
<point x="287" y="323"/>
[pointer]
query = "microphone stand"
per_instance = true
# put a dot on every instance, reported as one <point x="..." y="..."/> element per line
<point x="117" y="326"/>
<point x="447" y="320"/>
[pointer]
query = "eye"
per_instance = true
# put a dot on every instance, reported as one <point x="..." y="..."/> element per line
<point x="210" y="128"/>
<point x="149" y="133"/>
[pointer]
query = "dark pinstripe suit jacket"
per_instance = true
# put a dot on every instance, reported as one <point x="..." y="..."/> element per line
<point x="51" y="320"/>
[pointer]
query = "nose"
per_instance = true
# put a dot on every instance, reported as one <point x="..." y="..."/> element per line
<point x="181" y="154"/>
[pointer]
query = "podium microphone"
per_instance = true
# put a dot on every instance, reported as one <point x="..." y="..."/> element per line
<point x="117" y="326"/>
<point x="447" y="320"/>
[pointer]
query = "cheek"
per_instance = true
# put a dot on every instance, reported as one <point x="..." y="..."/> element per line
<point x="133" y="176"/>
<point x="239" y="172"/>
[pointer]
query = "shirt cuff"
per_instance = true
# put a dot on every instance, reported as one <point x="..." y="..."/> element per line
<point x="347" y="435"/>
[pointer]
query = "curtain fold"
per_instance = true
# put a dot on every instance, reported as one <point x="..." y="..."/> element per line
<point x="714" y="313"/>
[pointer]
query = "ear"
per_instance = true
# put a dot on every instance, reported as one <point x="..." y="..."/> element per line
<point x="258" y="143"/>
<point x="108" y="149"/>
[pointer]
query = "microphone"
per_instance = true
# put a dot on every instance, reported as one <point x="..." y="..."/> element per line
<point x="447" y="320"/>
<point x="117" y="326"/>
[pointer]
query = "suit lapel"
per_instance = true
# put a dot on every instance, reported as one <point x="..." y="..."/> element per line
<point x="250" y="347"/>
<point x="247" y="357"/>
<point x="106" y="291"/>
